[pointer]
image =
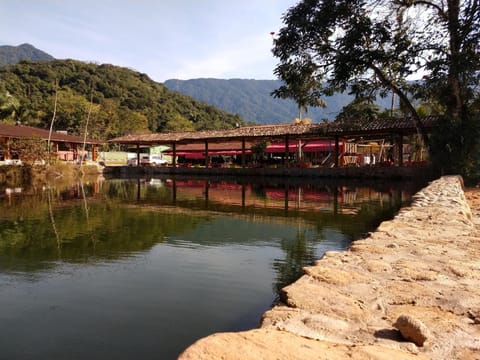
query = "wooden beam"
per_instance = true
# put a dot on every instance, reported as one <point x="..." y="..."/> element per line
<point x="336" y="153"/>
<point x="174" y="156"/>
<point x="138" y="154"/>
<point x="287" y="150"/>
<point x="243" y="153"/>
<point x="400" y="149"/>
<point x="207" y="157"/>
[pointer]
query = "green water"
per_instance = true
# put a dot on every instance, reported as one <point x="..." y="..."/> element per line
<point x="122" y="269"/>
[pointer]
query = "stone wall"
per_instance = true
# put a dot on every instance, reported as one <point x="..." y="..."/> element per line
<point x="410" y="290"/>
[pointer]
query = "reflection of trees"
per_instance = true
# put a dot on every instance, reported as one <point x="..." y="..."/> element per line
<point x="118" y="231"/>
<point x="135" y="190"/>
<point x="299" y="252"/>
<point x="52" y="220"/>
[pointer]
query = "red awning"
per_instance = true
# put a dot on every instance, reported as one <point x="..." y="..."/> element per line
<point x="201" y="154"/>
<point x="311" y="146"/>
<point x="280" y="148"/>
<point x="322" y="146"/>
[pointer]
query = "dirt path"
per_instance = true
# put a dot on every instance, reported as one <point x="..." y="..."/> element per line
<point x="410" y="290"/>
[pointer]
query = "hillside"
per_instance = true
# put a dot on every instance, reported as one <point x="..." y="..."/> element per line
<point x="11" y="55"/>
<point x="122" y="100"/>
<point x="251" y="99"/>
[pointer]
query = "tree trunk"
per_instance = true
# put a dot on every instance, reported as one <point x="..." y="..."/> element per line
<point x="454" y="101"/>
<point x="407" y="103"/>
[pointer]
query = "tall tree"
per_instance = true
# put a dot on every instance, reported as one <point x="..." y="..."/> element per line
<point x="375" y="43"/>
<point x="300" y="85"/>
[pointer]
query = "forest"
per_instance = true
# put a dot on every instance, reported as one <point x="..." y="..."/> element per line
<point x="116" y="100"/>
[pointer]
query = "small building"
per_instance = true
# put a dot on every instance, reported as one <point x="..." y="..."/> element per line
<point x="65" y="147"/>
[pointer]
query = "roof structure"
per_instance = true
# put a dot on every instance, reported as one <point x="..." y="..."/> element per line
<point x="29" y="132"/>
<point x="404" y="126"/>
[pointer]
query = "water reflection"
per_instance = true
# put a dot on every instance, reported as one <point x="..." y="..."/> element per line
<point x="106" y="219"/>
<point x="157" y="253"/>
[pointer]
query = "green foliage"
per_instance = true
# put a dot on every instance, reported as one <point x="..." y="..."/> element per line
<point x="29" y="150"/>
<point x="372" y="46"/>
<point x="259" y="148"/>
<point x="9" y="106"/>
<point x="360" y="111"/>
<point x="124" y="101"/>
<point x="179" y="123"/>
<point x="456" y="149"/>
<point x="301" y="84"/>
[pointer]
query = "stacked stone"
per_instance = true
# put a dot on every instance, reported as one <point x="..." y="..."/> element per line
<point x="410" y="290"/>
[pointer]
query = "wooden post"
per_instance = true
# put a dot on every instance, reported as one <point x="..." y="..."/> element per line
<point x="400" y="149"/>
<point x="207" y="159"/>
<point x="337" y="151"/>
<point x="94" y="153"/>
<point x="243" y="153"/>
<point x="285" y="160"/>
<point x="138" y="154"/>
<point x="174" y="155"/>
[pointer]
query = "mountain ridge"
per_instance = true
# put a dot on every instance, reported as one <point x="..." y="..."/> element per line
<point x="252" y="100"/>
<point x="122" y="101"/>
<point x="11" y="55"/>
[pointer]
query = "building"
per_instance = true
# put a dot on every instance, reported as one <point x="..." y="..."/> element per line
<point x="65" y="147"/>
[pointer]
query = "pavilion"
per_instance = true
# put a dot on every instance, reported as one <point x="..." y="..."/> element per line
<point x="240" y="140"/>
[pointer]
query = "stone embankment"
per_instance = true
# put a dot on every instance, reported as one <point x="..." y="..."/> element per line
<point x="410" y="290"/>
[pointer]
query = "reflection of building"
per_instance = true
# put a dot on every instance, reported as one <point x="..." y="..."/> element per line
<point x="66" y="147"/>
<point x="339" y="199"/>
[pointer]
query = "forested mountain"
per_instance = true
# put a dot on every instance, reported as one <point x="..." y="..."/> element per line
<point x="115" y="100"/>
<point x="11" y="55"/>
<point x="251" y="99"/>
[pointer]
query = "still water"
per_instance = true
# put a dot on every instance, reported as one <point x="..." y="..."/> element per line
<point x="123" y="269"/>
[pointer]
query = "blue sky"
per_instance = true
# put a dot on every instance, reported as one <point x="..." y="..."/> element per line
<point x="181" y="39"/>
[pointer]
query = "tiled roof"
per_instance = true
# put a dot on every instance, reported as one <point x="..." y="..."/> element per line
<point x="382" y="126"/>
<point x="318" y="130"/>
<point x="28" y="132"/>
<point x="247" y="132"/>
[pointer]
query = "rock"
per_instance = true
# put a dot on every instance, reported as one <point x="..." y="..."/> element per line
<point x="423" y="264"/>
<point x="412" y="329"/>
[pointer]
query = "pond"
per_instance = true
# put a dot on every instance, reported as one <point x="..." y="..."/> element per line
<point x="141" y="268"/>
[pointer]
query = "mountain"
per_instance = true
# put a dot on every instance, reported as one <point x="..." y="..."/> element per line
<point x="11" y="55"/>
<point x="251" y="99"/>
<point x="115" y="100"/>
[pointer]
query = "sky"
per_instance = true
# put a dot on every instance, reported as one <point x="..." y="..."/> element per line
<point x="166" y="39"/>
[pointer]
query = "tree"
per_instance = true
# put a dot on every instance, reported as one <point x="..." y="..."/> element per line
<point x="29" y="150"/>
<point x="301" y="84"/>
<point x="359" y="112"/>
<point x="178" y="123"/>
<point x="375" y="43"/>
<point x="9" y="106"/>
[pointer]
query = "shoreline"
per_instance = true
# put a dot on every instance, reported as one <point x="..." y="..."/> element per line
<point x="410" y="290"/>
